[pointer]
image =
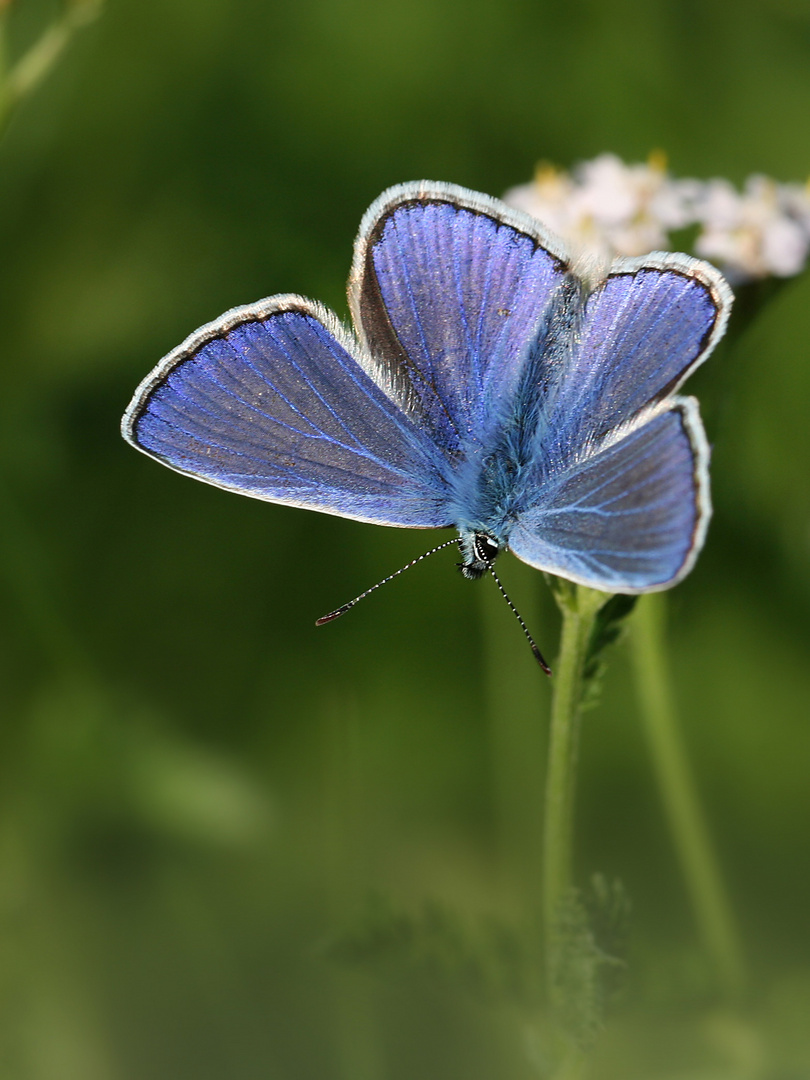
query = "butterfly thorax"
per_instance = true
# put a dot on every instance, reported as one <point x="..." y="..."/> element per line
<point x="490" y="491"/>
<point x="491" y="488"/>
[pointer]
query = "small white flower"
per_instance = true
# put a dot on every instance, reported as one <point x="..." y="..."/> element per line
<point x="554" y="198"/>
<point x="609" y="190"/>
<point x="607" y="208"/>
<point x="548" y="198"/>
<point x="761" y="231"/>
<point x="795" y="201"/>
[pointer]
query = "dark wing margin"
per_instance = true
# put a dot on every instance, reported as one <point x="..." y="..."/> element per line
<point x="643" y="331"/>
<point x="448" y="290"/>
<point x="271" y="401"/>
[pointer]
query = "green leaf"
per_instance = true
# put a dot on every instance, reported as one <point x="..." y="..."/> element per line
<point x="609" y="626"/>
<point x="586" y="957"/>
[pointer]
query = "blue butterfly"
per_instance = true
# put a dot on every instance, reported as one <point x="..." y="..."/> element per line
<point x="492" y="383"/>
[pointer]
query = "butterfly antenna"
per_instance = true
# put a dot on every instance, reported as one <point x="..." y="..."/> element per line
<point x="537" y="654"/>
<point x="347" y="607"/>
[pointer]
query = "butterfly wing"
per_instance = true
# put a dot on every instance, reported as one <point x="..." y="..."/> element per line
<point x="642" y="332"/>
<point x="452" y="294"/>
<point x="630" y="517"/>
<point x="271" y="401"/>
<point x="459" y="300"/>
<point x="621" y="494"/>
<point x="448" y="289"/>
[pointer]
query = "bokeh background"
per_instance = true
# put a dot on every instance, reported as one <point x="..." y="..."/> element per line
<point x="230" y="845"/>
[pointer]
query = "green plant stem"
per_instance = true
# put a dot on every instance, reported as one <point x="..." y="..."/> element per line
<point x="579" y="606"/>
<point x="34" y="65"/>
<point x="681" y="803"/>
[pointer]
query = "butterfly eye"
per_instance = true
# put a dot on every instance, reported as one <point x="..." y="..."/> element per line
<point x="485" y="548"/>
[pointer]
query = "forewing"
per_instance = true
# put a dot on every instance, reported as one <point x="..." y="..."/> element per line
<point x="269" y="401"/>
<point x="642" y="332"/>
<point x="448" y="292"/>
<point x="631" y="517"/>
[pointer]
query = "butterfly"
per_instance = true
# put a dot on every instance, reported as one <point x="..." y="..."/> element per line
<point x="492" y="382"/>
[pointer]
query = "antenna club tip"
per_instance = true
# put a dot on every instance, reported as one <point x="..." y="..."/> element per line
<point x="532" y="644"/>
<point x="324" y="619"/>
<point x="539" y="658"/>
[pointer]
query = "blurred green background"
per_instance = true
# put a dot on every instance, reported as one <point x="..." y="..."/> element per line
<point x="230" y="845"/>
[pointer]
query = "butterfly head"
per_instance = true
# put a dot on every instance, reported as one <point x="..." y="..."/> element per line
<point x="479" y="551"/>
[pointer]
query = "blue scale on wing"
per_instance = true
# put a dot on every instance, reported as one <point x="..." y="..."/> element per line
<point x="624" y="517"/>
<point x="495" y="389"/>
<point x="640" y="335"/>
<point x="278" y="409"/>
<point x="462" y="296"/>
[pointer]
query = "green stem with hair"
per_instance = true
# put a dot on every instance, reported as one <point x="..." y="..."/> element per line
<point x="579" y="606"/>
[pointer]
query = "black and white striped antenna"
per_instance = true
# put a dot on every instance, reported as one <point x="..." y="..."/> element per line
<point x="324" y="619"/>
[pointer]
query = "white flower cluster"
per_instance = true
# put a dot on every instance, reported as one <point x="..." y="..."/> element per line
<point x="610" y="208"/>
